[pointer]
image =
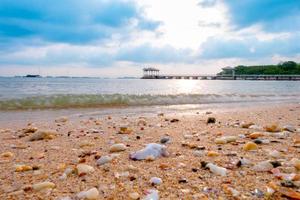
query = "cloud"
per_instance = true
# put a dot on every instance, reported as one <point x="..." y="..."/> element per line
<point x="207" y="3"/>
<point x="250" y="47"/>
<point x="70" y="21"/>
<point x="272" y="15"/>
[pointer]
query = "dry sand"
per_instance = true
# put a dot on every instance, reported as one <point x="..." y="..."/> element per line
<point x="84" y="140"/>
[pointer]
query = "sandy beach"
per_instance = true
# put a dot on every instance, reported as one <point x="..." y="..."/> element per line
<point x="246" y="153"/>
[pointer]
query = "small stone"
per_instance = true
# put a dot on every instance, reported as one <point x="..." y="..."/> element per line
<point x="250" y="146"/>
<point x="258" y="193"/>
<point x="125" y="130"/>
<point x="272" y="128"/>
<point x="225" y="139"/>
<point x="86" y="143"/>
<point x="155" y="181"/>
<point x="7" y="154"/>
<point x="43" y="185"/>
<point x="91" y="194"/>
<point x="174" y="120"/>
<point x="246" y="125"/>
<point x="275" y="163"/>
<point x="216" y="169"/>
<point x="296" y="163"/>
<point x="104" y="159"/>
<point x="289" y="128"/>
<point x="134" y="195"/>
<point x="212" y="154"/>
<point x="288" y="183"/>
<point x="63" y="119"/>
<point x="43" y="134"/>
<point x="152" y="151"/>
<point x="263" y="166"/>
<point x="182" y="181"/>
<point x="151" y="195"/>
<point x="142" y="122"/>
<point x="164" y="140"/>
<point x="23" y="168"/>
<point x="198" y="153"/>
<point x="258" y="141"/>
<point x="275" y="154"/>
<point x="256" y="135"/>
<point x="83" y="169"/>
<point x="211" y="120"/>
<point x="117" y="148"/>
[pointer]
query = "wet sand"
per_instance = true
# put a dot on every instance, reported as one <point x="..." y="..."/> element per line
<point x="85" y="139"/>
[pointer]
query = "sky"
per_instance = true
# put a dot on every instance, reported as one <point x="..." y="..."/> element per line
<point x="113" y="38"/>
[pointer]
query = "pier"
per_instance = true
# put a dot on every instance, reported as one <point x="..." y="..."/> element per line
<point x="153" y="73"/>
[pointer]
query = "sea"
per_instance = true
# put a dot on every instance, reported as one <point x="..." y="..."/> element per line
<point x="139" y="95"/>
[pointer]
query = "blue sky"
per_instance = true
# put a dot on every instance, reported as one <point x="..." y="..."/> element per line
<point x="120" y="37"/>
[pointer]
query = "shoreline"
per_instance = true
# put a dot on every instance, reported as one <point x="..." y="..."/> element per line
<point x="88" y="136"/>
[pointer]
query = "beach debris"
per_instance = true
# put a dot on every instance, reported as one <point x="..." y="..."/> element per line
<point x="152" y="150"/>
<point x="215" y="169"/>
<point x="22" y="168"/>
<point x="164" y="139"/>
<point x="250" y="146"/>
<point x="151" y="195"/>
<point x="43" y="185"/>
<point x="125" y="130"/>
<point x="134" y="196"/>
<point x="43" y="134"/>
<point x="91" y="194"/>
<point x="211" y="120"/>
<point x="83" y="169"/>
<point x="7" y="154"/>
<point x="288" y="192"/>
<point x="289" y="128"/>
<point x="263" y="166"/>
<point x="62" y="119"/>
<point x="225" y="139"/>
<point x="155" y="181"/>
<point x="117" y="148"/>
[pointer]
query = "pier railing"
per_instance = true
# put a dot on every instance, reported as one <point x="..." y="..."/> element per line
<point x="295" y="77"/>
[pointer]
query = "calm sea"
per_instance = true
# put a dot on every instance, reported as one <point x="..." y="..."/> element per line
<point x="40" y="93"/>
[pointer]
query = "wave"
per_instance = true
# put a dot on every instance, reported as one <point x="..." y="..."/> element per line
<point x="111" y="100"/>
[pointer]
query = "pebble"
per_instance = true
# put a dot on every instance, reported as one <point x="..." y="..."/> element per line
<point x="212" y="154"/>
<point x="290" y="128"/>
<point x="63" y="119"/>
<point x="246" y="125"/>
<point x="250" y="146"/>
<point x="263" y="166"/>
<point x="211" y="120"/>
<point x="151" y="195"/>
<point x="296" y="163"/>
<point x="117" y="148"/>
<point x="83" y="169"/>
<point x="155" y="181"/>
<point x="216" y="169"/>
<point x="104" y="159"/>
<point x="91" y="194"/>
<point x="134" y="195"/>
<point x="164" y="140"/>
<point x="225" y="139"/>
<point x="272" y="128"/>
<point x="23" y="168"/>
<point x="198" y="153"/>
<point x="255" y="127"/>
<point x="7" y="154"/>
<point x="256" y="135"/>
<point x="258" y="193"/>
<point x="43" y="134"/>
<point x="275" y="154"/>
<point x="43" y="185"/>
<point x="258" y="141"/>
<point x="152" y="150"/>
<point x="125" y="130"/>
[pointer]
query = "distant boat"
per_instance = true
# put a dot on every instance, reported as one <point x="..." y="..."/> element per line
<point x="33" y="76"/>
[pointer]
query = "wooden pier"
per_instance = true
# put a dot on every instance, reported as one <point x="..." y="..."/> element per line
<point x="153" y="73"/>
